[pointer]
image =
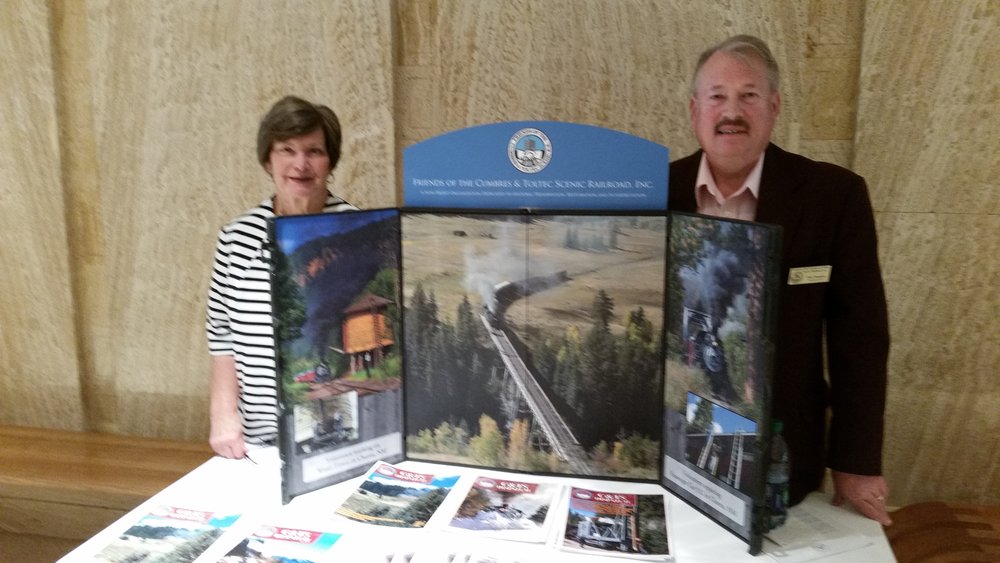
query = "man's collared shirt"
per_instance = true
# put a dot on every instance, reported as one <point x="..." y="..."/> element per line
<point x="740" y="205"/>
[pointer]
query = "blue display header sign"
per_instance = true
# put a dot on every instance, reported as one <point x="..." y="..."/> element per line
<point x="538" y="165"/>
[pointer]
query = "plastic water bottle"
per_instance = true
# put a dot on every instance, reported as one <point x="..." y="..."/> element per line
<point x="777" y="478"/>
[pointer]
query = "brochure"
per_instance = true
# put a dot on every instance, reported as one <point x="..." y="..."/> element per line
<point x="390" y="496"/>
<point x="619" y="524"/>
<point x="168" y="533"/>
<point x="506" y="509"/>
<point x="277" y="543"/>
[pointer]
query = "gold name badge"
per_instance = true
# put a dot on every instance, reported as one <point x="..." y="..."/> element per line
<point x="809" y="274"/>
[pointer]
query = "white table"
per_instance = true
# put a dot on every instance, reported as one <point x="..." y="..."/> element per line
<point x="254" y="490"/>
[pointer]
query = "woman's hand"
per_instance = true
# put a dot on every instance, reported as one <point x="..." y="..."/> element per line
<point x="226" y="436"/>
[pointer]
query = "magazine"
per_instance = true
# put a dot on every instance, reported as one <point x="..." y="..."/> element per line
<point x="506" y="509"/>
<point x="276" y="543"/>
<point x="168" y="533"/>
<point x="620" y="524"/>
<point x="390" y="496"/>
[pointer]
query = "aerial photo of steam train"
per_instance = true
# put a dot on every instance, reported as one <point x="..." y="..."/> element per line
<point x="507" y="292"/>
<point x="534" y="342"/>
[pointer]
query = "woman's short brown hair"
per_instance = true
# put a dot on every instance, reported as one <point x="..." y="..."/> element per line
<point x="290" y="117"/>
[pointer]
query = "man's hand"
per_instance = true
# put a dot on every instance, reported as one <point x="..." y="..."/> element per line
<point x="226" y="437"/>
<point x="867" y="493"/>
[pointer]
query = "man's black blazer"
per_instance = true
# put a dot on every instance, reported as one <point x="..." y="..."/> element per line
<point x="827" y="220"/>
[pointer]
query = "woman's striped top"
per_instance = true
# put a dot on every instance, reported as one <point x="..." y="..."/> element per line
<point x="239" y="321"/>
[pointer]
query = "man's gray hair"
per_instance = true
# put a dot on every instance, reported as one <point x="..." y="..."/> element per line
<point x="744" y="47"/>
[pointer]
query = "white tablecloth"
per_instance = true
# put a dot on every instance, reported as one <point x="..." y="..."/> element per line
<point x="253" y="490"/>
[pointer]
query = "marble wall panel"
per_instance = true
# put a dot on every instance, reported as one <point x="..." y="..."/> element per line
<point x="167" y="97"/>
<point x="943" y="451"/>
<point x="624" y="65"/>
<point x="929" y="95"/>
<point x="39" y="378"/>
<point x="941" y="276"/>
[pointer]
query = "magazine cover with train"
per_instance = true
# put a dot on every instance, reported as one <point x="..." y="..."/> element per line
<point x="721" y="299"/>
<point x="168" y="533"/>
<point x="614" y="523"/>
<point x="337" y="317"/>
<point x="390" y="496"/>
<point x="505" y="508"/>
<point x="533" y="340"/>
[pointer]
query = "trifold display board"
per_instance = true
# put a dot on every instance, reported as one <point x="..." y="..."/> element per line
<point x="602" y="343"/>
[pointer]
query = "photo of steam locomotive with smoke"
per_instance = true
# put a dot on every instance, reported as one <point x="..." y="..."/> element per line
<point x="337" y="324"/>
<point x="720" y="302"/>
<point x="718" y="345"/>
<point x="533" y="340"/>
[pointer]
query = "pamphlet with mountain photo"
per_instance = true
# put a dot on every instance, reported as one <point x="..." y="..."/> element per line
<point x="168" y="533"/>
<point x="390" y="496"/>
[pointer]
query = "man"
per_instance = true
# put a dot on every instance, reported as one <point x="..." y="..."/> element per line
<point x="831" y="281"/>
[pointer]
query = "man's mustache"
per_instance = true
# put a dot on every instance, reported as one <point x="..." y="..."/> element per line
<point x="732" y="123"/>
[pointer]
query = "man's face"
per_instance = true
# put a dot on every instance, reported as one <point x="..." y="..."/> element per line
<point x="733" y="111"/>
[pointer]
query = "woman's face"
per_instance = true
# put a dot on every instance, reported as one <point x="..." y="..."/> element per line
<point x="299" y="166"/>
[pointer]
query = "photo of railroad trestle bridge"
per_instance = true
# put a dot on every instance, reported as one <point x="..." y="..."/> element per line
<point x="534" y="343"/>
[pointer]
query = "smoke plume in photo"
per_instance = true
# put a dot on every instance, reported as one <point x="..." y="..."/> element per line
<point x="715" y="284"/>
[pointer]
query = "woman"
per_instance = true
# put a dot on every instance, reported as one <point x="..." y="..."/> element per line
<point x="298" y="144"/>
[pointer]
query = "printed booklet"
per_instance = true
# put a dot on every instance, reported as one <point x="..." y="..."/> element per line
<point x="168" y="533"/>
<point x="506" y="509"/>
<point x="619" y="524"/>
<point x="277" y="543"/>
<point x="390" y="496"/>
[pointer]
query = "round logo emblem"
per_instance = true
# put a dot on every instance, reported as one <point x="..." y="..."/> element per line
<point x="529" y="150"/>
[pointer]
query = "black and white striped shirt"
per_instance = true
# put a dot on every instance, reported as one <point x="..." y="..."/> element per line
<point x="239" y="321"/>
